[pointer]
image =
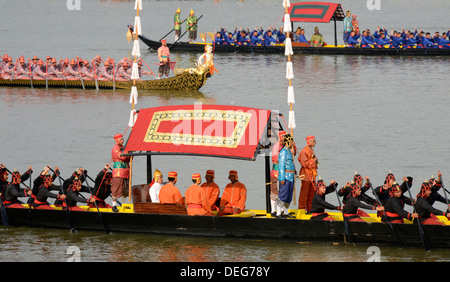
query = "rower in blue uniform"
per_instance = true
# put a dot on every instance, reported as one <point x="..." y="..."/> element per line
<point x="353" y="39"/>
<point x="254" y="40"/>
<point x="427" y="42"/>
<point x="268" y="39"/>
<point x="382" y="40"/>
<point x="367" y="41"/>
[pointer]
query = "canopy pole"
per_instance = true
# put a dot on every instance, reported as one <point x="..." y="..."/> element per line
<point x="335" y="33"/>
<point x="149" y="168"/>
<point x="134" y="75"/>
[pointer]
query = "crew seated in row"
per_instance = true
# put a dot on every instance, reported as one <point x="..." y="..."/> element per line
<point x="201" y="199"/>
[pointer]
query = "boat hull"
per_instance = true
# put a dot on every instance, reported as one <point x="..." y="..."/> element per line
<point x="183" y="82"/>
<point x="232" y="226"/>
<point x="280" y="49"/>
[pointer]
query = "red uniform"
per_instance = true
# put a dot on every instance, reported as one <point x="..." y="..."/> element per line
<point x="308" y="172"/>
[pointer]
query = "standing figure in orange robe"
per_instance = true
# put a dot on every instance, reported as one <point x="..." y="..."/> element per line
<point x="195" y="197"/>
<point x="308" y="173"/>
<point x="169" y="193"/>
<point x="211" y="189"/>
<point x="234" y="196"/>
<point x="120" y="172"/>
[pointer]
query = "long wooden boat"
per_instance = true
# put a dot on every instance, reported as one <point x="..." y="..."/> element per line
<point x="182" y="82"/>
<point x="249" y="134"/>
<point x="313" y="12"/>
<point x="299" y="48"/>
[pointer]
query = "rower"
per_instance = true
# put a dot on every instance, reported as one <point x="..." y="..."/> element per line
<point x="13" y="192"/>
<point x="353" y="204"/>
<point x="382" y="41"/>
<point x="44" y="193"/>
<point x="319" y="204"/>
<point x="73" y="196"/>
<point x="102" y="188"/>
<point x="169" y="193"/>
<point x="367" y="41"/>
<point x="394" y="206"/>
<point x="353" y="39"/>
<point x="53" y="72"/>
<point x="425" y="209"/>
<point x="234" y="196"/>
<point x="195" y="196"/>
<point x="22" y="69"/>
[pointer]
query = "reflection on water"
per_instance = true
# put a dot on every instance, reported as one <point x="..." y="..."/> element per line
<point x="52" y="245"/>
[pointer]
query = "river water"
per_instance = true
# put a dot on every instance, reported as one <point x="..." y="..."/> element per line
<point x="370" y="114"/>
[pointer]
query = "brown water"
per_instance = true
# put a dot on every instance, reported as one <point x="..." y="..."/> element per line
<point x="369" y="114"/>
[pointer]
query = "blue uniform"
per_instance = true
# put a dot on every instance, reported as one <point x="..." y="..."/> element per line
<point x="353" y="40"/>
<point x="286" y="172"/>
<point x="366" y="41"/>
<point x="382" y="41"/>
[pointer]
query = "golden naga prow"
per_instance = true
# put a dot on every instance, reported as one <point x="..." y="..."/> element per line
<point x="204" y="64"/>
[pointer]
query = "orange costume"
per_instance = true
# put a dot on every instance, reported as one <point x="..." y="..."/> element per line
<point x="169" y="193"/>
<point x="196" y="200"/>
<point x="212" y="190"/>
<point x="234" y="197"/>
<point x="308" y="173"/>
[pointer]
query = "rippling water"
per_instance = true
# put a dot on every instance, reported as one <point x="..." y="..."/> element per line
<point x="370" y="114"/>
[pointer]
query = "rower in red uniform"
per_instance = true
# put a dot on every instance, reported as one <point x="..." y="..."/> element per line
<point x="353" y="204"/>
<point x="234" y="196"/>
<point x="319" y="204"/>
<point x="40" y="202"/>
<point x="73" y="196"/>
<point x="102" y="188"/>
<point x="53" y="72"/>
<point x="13" y="192"/>
<point x="424" y="207"/>
<point x="169" y="193"/>
<point x="394" y="206"/>
<point x="120" y="171"/>
<point x="195" y="197"/>
<point x="123" y="72"/>
<point x="22" y="69"/>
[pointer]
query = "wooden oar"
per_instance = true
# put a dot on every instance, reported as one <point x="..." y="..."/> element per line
<point x="421" y="232"/>
<point x="445" y="194"/>
<point x="4" y="214"/>
<point x="184" y="33"/>
<point x="347" y="232"/>
<point x="389" y="220"/>
<point x="95" y="202"/>
<point x="72" y="226"/>
<point x="29" y="204"/>
<point x="172" y="30"/>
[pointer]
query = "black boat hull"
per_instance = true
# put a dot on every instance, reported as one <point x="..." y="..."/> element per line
<point x="239" y="227"/>
<point x="280" y="49"/>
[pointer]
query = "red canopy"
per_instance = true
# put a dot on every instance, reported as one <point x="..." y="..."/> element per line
<point x="208" y="130"/>
<point x="321" y="12"/>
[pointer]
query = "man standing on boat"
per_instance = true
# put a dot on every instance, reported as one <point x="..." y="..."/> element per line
<point x="177" y="24"/>
<point x="348" y="27"/>
<point x="276" y="148"/>
<point x="308" y="173"/>
<point x="191" y="25"/>
<point x="120" y="171"/>
<point x="286" y="177"/>
<point x="164" y="59"/>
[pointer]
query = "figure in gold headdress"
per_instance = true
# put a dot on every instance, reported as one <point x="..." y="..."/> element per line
<point x="191" y="25"/>
<point x="177" y="24"/>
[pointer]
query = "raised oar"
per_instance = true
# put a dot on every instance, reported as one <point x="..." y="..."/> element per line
<point x="347" y="232"/>
<point x="29" y="204"/>
<point x="389" y="220"/>
<point x="72" y="226"/>
<point x="95" y="202"/>
<point x="184" y="34"/>
<point x="421" y="232"/>
<point x="172" y="30"/>
<point x="445" y="193"/>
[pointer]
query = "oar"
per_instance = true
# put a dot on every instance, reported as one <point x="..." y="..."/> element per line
<point x="31" y="75"/>
<point x="46" y="76"/>
<point x="172" y="30"/>
<point x="29" y="204"/>
<point x="421" y="232"/>
<point x="95" y="202"/>
<point x="4" y="214"/>
<point x="72" y="227"/>
<point x="347" y="232"/>
<point x="445" y="194"/>
<point x="389" y="220"/>
<point x="184" y="33"/>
